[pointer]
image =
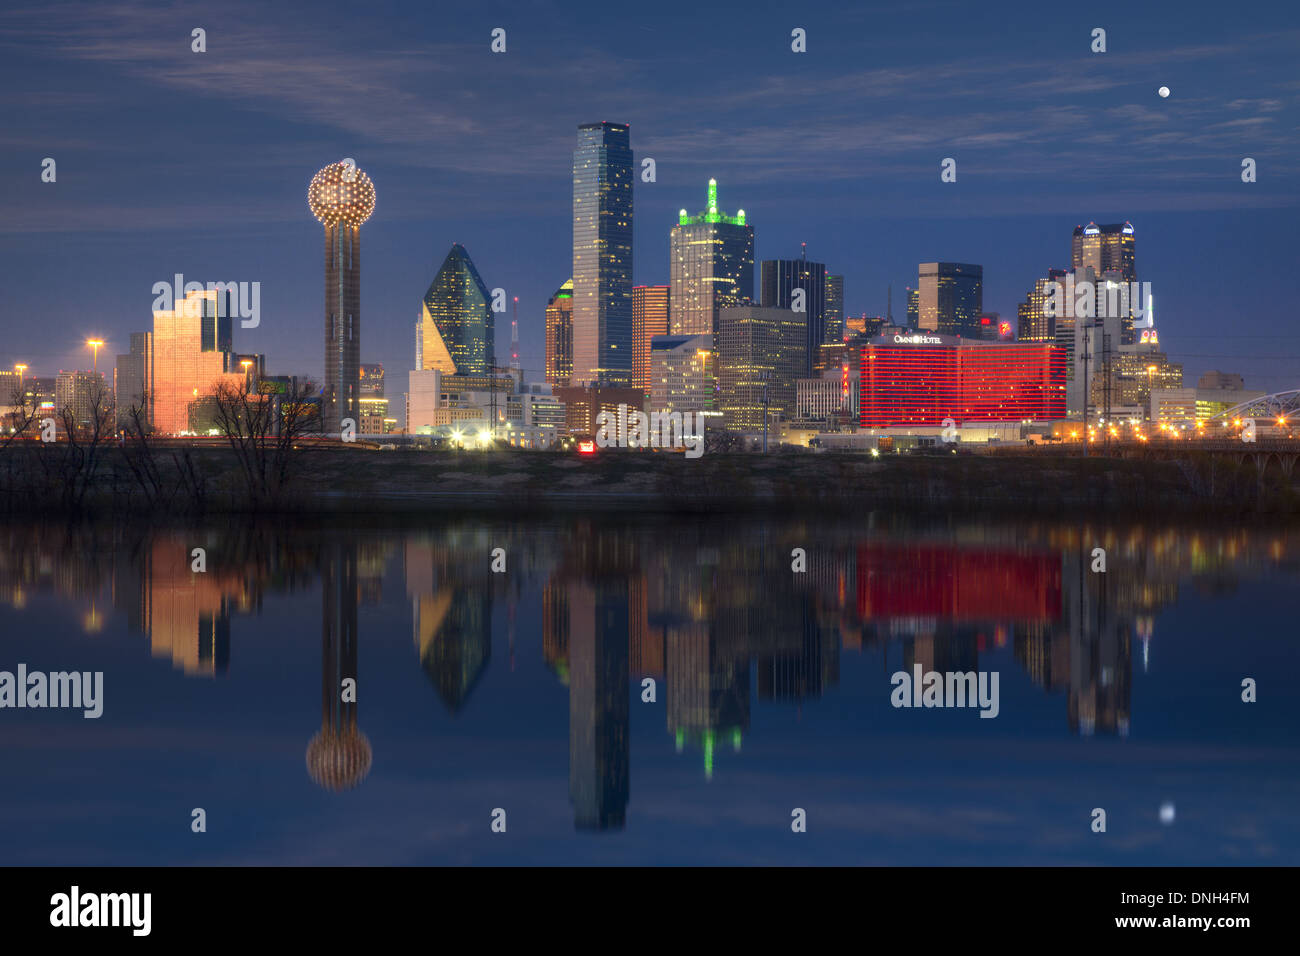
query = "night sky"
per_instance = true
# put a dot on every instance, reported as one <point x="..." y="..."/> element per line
<point x="172" y="161"/>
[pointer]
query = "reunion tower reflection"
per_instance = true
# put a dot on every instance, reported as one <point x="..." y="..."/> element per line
<point x="338" y="757"/>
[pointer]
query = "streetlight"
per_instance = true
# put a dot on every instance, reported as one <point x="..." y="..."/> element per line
<point x="20" y="368"/>
<point x="247" y="364"/>
<point x="95" y="345"/>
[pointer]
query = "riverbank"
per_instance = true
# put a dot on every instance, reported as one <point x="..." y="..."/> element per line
<point x="332" y="481"/>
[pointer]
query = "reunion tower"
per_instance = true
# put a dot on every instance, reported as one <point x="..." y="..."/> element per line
<point x="342" y="197"/>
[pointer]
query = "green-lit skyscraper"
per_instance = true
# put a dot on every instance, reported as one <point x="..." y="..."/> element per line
<point x="712" y="264"/>
<point x="456" y="334"/>
<point x="602" y="255"/>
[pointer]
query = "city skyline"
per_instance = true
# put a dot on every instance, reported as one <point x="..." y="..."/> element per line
<point x="1184" y="167"/>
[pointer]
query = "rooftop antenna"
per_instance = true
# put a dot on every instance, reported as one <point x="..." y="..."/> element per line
<point x="514" y="338"/>
<point x="889" y="306"/>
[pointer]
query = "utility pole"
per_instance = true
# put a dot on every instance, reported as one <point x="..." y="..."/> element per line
<point x="1087" y="354"/>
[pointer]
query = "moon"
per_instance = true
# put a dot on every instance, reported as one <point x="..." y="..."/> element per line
<point x="1163" y="91"/>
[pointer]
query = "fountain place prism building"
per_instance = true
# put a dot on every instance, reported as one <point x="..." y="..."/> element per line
<point x="602" y="255"/>
<point x="456" y="333"/>
<point x="341" y="198"/>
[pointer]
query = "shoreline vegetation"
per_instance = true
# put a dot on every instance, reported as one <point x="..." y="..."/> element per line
<point x="269" y="460"/>
<point x="318" y="479"/>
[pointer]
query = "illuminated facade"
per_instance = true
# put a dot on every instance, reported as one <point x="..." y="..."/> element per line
<point x="87" y="397"/>
<point x="927" y="378"/>
<point x="456" y="334"/>
<point x="1110" y="251"/>
<point x="372" y="380"/>
<point x="1105" y="248"/>
<point x="559" y="336"/>
<point x="1036" y="324"/>
<point x="711" y="257"/>
<point x="682" y="374"/>
<point x="1135" y="371"/>
<point x="341" y="197"/>
<point x="780" y="277"/>
<point x="759" y="347"/>
<point x="950" y="298"/>
<point x="649" y="319"/>
<point x="183" y="369"/>
<point x="602" y="255"/>
<point x="834" y="309"/>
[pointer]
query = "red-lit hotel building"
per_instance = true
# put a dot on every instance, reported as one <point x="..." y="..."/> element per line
<point x="921" y="379"/>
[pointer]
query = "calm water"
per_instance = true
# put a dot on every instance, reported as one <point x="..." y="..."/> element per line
<point x="523" y="691"/>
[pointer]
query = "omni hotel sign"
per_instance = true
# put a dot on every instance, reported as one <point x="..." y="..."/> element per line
<point x="917" y="340"/>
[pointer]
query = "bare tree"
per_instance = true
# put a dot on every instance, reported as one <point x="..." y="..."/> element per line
<point x="161" y="488"/>
<point x="265" y="430"/>
<point x="73" y="465"/>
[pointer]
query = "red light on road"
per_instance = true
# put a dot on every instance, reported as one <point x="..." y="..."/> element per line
<point x="586" y="448"/>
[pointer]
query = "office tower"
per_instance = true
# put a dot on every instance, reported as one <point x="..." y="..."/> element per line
<point x="87" y="397"/>
<point x="341" y="198"/>
<point x="1108" y="249"/>
<point x="559" y="336"/>
<point x="217" y="333"/>
<point x="780" y="277"/>
<point x="834" y="309"/>
<point x="131" y="381"/>
<point x="649" y="319"/>
<point x="599" y="716"/>
<point x="183" y="371"/>
<point x="682" y="374"/>
<point x="950" y="298"/>
<point x="186" y="616"/>
<point x="456" y="334"/>
<point x="372" y="380"/>
<point x="759" y="347"/>
<point x="1135" y="371"/>
<point x="1105" y="249"/>
<point x="1035" y="321"/>
<point x="711" y="256"/>
<point x="602" y="255"/>
<point x="913" y="308"/>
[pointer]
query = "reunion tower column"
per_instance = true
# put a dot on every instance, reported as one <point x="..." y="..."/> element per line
<point x="342" y="197"/>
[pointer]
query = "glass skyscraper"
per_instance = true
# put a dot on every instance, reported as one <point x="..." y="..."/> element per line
<point x="780" y="277"/>
<point x="712" y="264"/>
<point x="602" y="255"/>
<point x="834" y="309"/>
<point x="457" y="332"/>
<point x="950" y="298"/>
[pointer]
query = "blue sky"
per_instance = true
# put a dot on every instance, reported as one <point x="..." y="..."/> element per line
<point x="173" y="161"/>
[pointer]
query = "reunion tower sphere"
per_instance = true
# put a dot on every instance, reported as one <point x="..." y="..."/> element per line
<point x="338" y="761"/>
<point x="341" y="193"/>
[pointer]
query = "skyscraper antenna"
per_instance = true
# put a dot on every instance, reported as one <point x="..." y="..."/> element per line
<point x="514" y="338"/>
